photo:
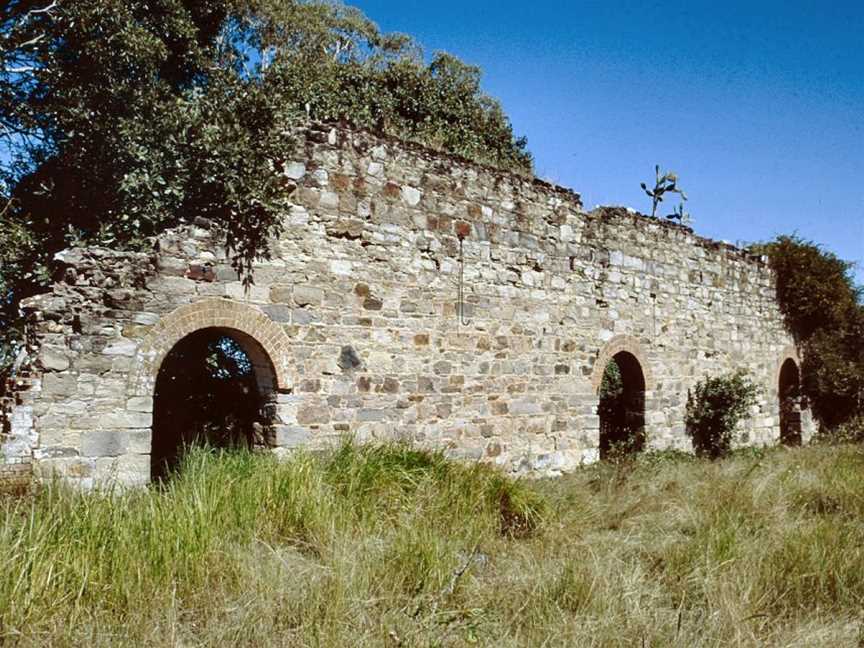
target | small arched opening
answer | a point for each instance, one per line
(214, 387)
(622, 406)
(789, 395)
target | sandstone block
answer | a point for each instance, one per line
(52, 359)
(121, 347)
(59, 385)
(129, 470)
(522, 407)
(281, 293)
(288, 436)
(313, 414)
(368, 415)
(279, 313)
(140, 404)
(104, 443)
(308, 296)
(411, 196)
(127, 419)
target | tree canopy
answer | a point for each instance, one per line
(119, 118)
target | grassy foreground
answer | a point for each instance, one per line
(385, 546)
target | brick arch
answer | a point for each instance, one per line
(265, 339)
(614, 346)
(789, 353)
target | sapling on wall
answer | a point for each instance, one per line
(664, 184)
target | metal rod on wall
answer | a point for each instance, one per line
(462, 230)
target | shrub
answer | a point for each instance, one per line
(715, 406)
(822, 309)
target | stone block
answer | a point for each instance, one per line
(56, 386)
(104, 443)
(524, 407)
(145, 319)
(313, 414)
(329, 200)
(279, 313)
(121, 347)
(126, 470)
(140, 404)
(308, 296)
(74, 468)
(140, 441)
(442, 368)
(281, 293)
(341, 267)
(53, 359)
(288, 436)
(125, 420)
(411, 196)
(173, 285)
(368, 415)
(304, 316)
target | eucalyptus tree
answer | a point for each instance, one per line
(118, 118)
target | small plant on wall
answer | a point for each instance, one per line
(715, 406)
(666, 183)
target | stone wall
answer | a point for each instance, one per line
(358, 318)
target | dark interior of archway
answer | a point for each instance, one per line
(622, 407)
(789, 392)
(206, 394)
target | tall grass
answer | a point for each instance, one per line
(389, 546)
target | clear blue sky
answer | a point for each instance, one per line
(758, 106)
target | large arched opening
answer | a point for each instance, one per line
(789, 395)
(622, 406)
(215, 387)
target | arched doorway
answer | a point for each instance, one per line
(789, 395)
(215, 386)
(622, 406)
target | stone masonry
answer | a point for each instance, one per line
(355, 327)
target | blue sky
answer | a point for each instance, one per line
(758, 106)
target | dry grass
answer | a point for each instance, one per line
(385, 546)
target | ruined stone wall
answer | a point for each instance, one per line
(357, 311)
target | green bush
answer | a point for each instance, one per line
(715, 406)
(822, 308)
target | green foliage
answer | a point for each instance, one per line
(120, 118)
(664, 184)
(612, 384)
(117, 124)
(822, 309)
(334, 64)
(815, 288)
(849, 431)
(714, 408)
